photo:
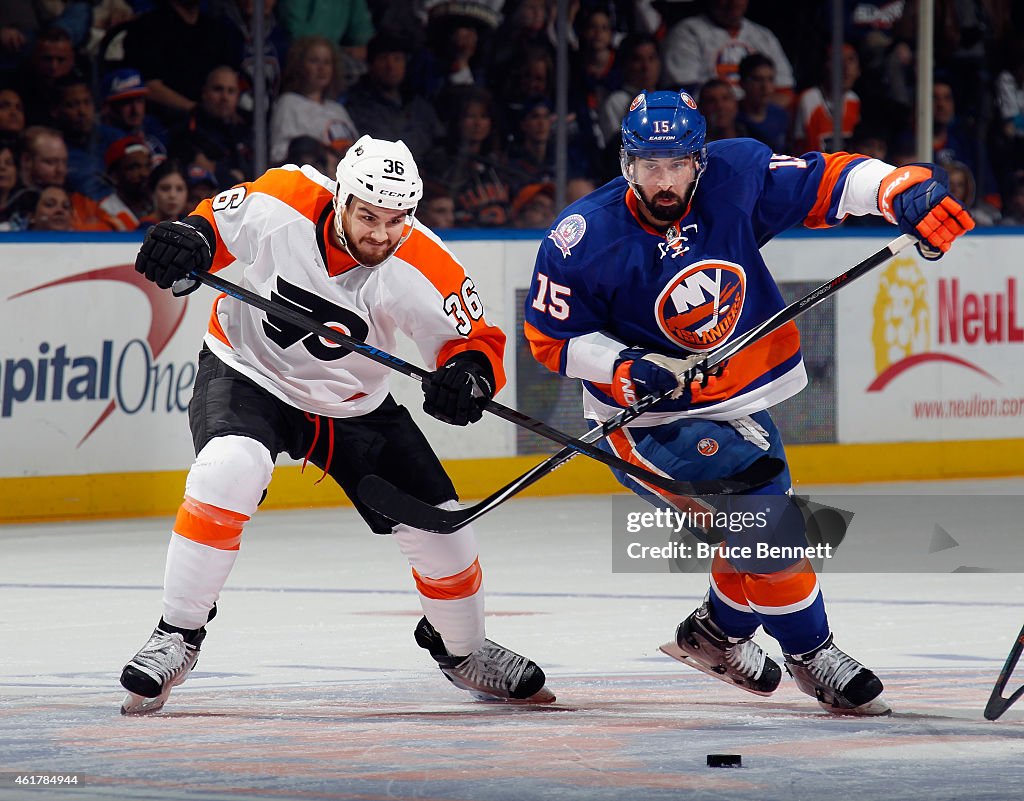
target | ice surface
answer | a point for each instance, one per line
(310, 685)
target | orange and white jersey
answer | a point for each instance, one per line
(278, 228)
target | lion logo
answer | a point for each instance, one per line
(901, 315)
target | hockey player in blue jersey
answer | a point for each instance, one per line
(664, 263)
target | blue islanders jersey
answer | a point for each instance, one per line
(604, 280)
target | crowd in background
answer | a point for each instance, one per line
(116, 114)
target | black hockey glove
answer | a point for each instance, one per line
(457, 392)
(170, 252)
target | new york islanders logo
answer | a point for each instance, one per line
(700, 306)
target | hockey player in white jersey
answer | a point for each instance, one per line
(350, 253)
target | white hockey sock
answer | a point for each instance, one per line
(460, 620)
(193, 578)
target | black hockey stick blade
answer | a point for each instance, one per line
(384, 497)
(997, 702)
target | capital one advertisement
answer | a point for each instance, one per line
(933, 351)
(96, 363)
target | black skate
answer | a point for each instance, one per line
(163, 663)
(841, 684)
(739, 661)
(491, 673)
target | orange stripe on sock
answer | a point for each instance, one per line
(790, 586)
(209, 525)
(728, 582)
(451, 588)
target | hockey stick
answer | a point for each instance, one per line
(997, 702)
(308, 323)
(387, 499)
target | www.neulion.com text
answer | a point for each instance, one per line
(974, 406)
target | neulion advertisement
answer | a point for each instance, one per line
(933, 351)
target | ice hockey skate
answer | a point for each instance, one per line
(841, 684)
(163, 663)
(491, 673)
(700, 643)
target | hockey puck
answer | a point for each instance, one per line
(725, 761)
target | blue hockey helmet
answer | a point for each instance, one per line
(663, 125)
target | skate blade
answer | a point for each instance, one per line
(876, 707)
(672, 649)
(542, 696)
(135, 704)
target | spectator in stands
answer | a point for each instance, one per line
(51, 210)
(711, 45)
(10, 186)
(531, 75)
(870, 142)
(46, 209)
(1013, 201)
(175, 46)
(813, 125)
(534, 206)
(471, 162)
(718, 104)
(312, 77)
(87, 140)
(380, 106)
(641, 69)
(44, 158)
(108, 16)
(437, 208)
(124, 109)
(531, 156)
(592, 64)
(129, 162)
(523, 30)
(307, 150)
(44, 162)
(1007, 134)
(12, 113)
(348, 24)
(217, 131)
(953, 142)
(237, 16)
(962, 187)
(458, 36)
(52, 58)
(19, 22)
(169, 191)
(766, 121)
(201, 184)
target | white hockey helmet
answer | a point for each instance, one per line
(381, 173)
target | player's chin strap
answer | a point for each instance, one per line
(384, 497)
